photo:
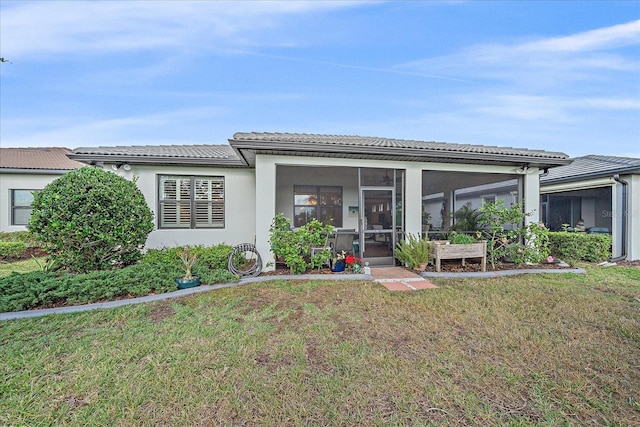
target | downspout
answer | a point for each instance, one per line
(625, 218)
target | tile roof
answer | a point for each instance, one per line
(161, 154)
(591, 166)
(440, 151)
(37, 158)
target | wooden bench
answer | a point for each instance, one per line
(470, 250)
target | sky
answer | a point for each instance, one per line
(556, 76)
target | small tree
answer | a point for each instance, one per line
(90, 219)
(503, 228)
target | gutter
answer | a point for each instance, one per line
(625, 218)
(157, 160)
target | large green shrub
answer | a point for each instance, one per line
(91, 219)
(294, 246)
(570, 247)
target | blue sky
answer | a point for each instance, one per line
(557, 76)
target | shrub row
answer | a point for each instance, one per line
(19, 236)
(211, 257)
(46, 289)
(580, 246)
(12, 249)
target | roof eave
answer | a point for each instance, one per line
(591, 175)
(155, 160)
(327, 149)
(35, 171)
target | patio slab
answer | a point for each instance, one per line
(400, 279)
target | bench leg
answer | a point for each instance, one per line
(437, 264)
(484, 263)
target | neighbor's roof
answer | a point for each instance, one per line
(591, 166)
(37, 159)
(200, 155)
(247, 145)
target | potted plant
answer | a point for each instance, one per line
(189, 280)
(339, 263)
(413, 252)
(354, 263)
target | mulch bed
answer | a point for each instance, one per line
(455, 266)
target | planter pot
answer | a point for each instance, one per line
(338, 266)
(422, 267)
(188, 283)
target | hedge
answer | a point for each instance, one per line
(12, 249)
(569, 246)
(47, 289)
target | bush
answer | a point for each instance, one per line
(90, 219)
(212, 257)
(12, 249)
(412, 252)
(294, 246)
(19, 236)
(502, 227)
(571, 247)
(46, 289)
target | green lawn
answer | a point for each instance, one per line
(33, 264)
(529, 350)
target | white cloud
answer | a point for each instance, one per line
(38, 29)
(168, 127)
(603, 38)
(561, 58)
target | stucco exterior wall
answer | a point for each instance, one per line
(240, 205)
(18, 181)
(633, 233)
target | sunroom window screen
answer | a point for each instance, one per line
(323, 203)
(191, 202)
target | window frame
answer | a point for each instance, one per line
(192, 202)
(318, 206)
(15, 207)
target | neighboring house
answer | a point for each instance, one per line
(24, 171)
(377, 187)
(603, 191)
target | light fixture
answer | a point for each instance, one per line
(525, 170)
(125, 166)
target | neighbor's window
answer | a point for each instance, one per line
(488, 200)
(21, 201)
(323, 203)
(191, 201)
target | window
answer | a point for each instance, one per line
(317, 202)
(488, 200)
(21, 201)
(191, 201)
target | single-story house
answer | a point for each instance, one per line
(602, 191)
(376, 188)
(24, 171)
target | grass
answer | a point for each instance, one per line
(527, 350)
(33, 264)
